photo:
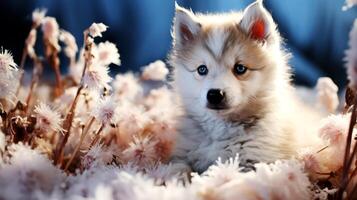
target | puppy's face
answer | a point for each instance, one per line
(223, 63)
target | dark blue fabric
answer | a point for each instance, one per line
(315, 31)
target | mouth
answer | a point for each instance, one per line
(217, 107)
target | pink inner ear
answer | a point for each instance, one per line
(186, 32)
(257, 30)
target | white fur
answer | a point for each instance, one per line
(263, 121)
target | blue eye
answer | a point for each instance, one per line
(239, 69)
(202, 70)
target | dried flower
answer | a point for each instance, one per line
(156, 71)
(7, 88)
(76, 70)
(327, 94)
(70, 42)
(7, 64)
(105, 110)
(334, 129)
(106, 53)
(97, 155)
(310, 160)
(351, 57)
(132, 119)
(96, 29)
(29, 171)
(48, 119)
(96, 77)
(126, 86)
(141, 152)
(30, 43)
(51, 32)
(37, 16)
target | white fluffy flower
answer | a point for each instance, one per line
(279, 180)
(351, 57)
(155, 71)
(105, 110)
(132, 119)
(327, 96)
(70, 42)
(141, 152)
(96, 29)
(333, 132)
(8, 87)
(97, 155)
(76, 70)
(106, 53)
(26, 173)
(220, 173)
(38, 15)
(160, 98)
(51, 32)
(7, 64)
(334, 129)
(97, 77)
(126, 86)
(48, 119)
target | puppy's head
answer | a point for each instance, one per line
(223, 63)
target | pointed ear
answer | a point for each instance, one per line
(257, 22)
(185, 27)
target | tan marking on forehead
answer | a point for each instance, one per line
(233, 38)
(214, 40)
(219, 39)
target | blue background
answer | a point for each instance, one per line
(315, 31)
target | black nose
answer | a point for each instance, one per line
(215, 96)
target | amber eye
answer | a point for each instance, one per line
(202, 70)
(239, 69)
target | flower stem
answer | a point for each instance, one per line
(83, 135)
(52, 57)
(36, 73)
(22, 65)
(346, 162)
(97, 134)
(58, 155)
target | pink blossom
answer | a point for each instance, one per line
(327, 94)
(141, 151)
(7, 64)
(38, 15)
(155, 71)
(126, 86)
(51, 32)
(70, 42)
(106, 53)
(96, 29)
(334, 129)
(48, 119)
(97, 77)
(105, 110)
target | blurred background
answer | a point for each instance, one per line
(315, 31)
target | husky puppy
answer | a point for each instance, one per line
(233, 81)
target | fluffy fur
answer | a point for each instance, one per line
(262, 117)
